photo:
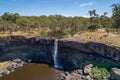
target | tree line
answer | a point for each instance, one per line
(58, 24)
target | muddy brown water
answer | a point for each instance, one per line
(32, 71)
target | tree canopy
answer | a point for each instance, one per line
(58, 24)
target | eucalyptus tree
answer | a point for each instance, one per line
(10, 16)
(94, 20)
(116, 15)
(94, 17)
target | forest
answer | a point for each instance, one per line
(53, 24)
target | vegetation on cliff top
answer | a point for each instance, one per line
(58, 25)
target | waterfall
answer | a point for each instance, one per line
(55, 58)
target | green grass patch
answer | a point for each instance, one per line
(98, 73)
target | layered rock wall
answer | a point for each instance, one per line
(111, 52)
(47, 45)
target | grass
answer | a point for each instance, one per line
(98, 36)
(4, 65)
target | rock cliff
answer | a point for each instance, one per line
(70, 53)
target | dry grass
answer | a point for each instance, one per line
(20, 33)
(4, 65)
(98, 36)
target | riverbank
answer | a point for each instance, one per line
(43, 71)
(9, 66)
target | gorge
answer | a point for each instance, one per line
(69, 54)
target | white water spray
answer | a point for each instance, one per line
(56, 65)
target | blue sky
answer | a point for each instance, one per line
(51, 7)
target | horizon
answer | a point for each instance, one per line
(67, 8)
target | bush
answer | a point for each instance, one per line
(43, 33)
(98, 73)
(93, 27)
(100, 69)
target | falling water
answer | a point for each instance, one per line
(55, 54)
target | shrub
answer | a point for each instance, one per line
(93, 27)
(98, 73)
(43, 33)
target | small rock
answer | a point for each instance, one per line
(0, 75)
(2, 71)
(73, 73)
(104, 78)
(62, 74)
(66, 73)
(60, 78)
(7, 72)
(88, 77)
(68, 77)
(17, 60)
(79, 71)
(29, 60)
(88, 68)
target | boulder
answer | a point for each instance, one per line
(115, 74)
(87, 69)
(79, 71)
(67, 73)
(104, 78)
(17, 60)
(87, 77)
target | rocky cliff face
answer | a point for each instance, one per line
(70, 53)
(38, 50)
(111, 52)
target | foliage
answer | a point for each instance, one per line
(43, 33)
(93, 27)
(116, 15)
(100, 69)
(59, 25)
(98, 73)
(99, 21)
(10, 16)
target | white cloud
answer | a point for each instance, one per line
(86, 4)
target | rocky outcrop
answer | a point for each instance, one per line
(76, 75)
(115, 74)
(88, 68)
(13, 65)
(42, 51)
(111, 52)
(16, 42)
